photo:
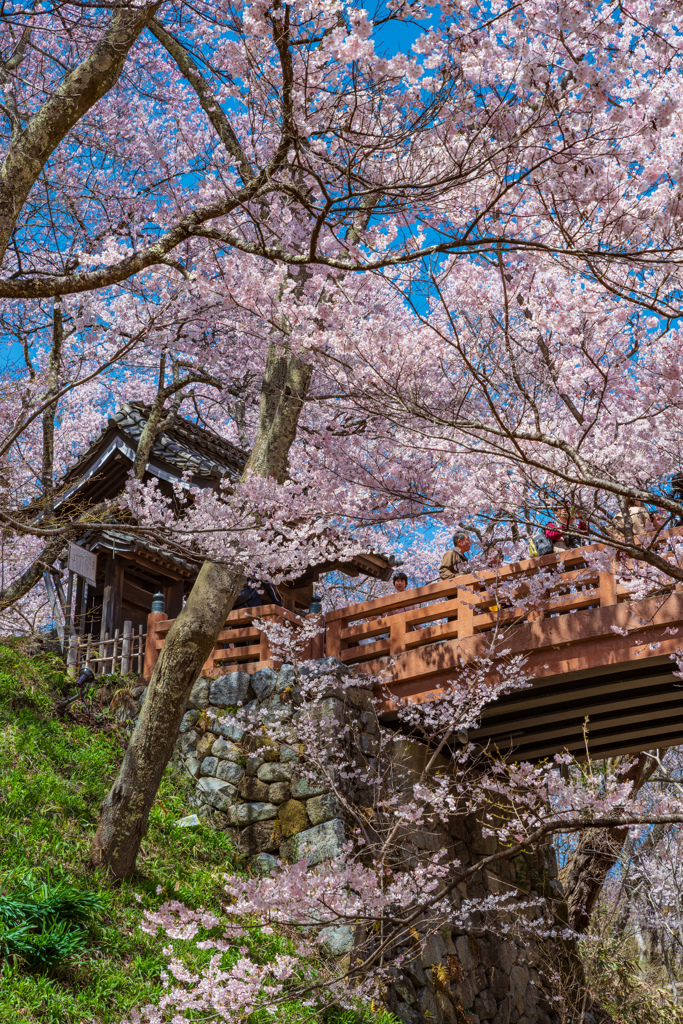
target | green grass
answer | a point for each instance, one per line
(53, 777)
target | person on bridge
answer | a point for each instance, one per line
(560, 534)
(454, 562)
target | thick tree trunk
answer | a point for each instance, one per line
(125, 811)
(597, 852)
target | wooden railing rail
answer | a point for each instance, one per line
(454, 609)
(239, 645)
(467, 605)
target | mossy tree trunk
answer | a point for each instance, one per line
(125, 811)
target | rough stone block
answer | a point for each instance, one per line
(216, 792)
(416, 973)
(499, 984)
(323, 808)
(519, 979)
(204, 745)
(199, 694)
(209, 766)
(289, 755)
(261, 837)
(263, 863)
(433, 950)
(507, 954)
(427, 1005)
(226, 750)
(405, 990)
(369, 722)
(293, 818)
(229, 731)
(265, 748)
(446, 1009)
(275, 772)
(326, 666)
(322, 842)
(263, 682)
(254, 791)
(253, 764)
(189, 719)
(408, 1014)
(485, 1005)
(286, 679)
(339, 939)
(188, 742)
(230, 690)
(193, 766)
(278, 792)
(303, 788)
(230, 772)
(505, 1012)
(464, 953)
(369, 744)
(245, 814)
(276, 711)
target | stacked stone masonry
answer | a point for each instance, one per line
(278, 811)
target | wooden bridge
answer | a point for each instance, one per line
(591, 652)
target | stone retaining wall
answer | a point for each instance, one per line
(264, 791)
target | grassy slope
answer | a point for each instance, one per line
(53, 776)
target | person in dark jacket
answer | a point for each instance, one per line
(250, 597)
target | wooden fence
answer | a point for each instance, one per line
(117, 655)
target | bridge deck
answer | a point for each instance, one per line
(591, 652)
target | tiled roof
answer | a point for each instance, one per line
(185, 446)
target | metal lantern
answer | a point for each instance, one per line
(158, 602)
(315, 607)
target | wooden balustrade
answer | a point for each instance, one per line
(239, 645)
(365, 635)
(465, 606)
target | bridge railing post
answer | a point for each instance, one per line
(151, 649)
(608, 589)
(465, 600)
(397, 635)
(333, 644)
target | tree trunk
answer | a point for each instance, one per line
(125, 811)
(597, 852)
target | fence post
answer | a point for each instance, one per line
(151, 652)
(140, 649)
(125, 648)
(72, 657)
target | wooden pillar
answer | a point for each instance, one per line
(112, 596)
(151, 652)
(173, 598)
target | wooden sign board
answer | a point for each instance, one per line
(83, 563)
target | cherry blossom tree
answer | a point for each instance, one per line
(252, 160)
